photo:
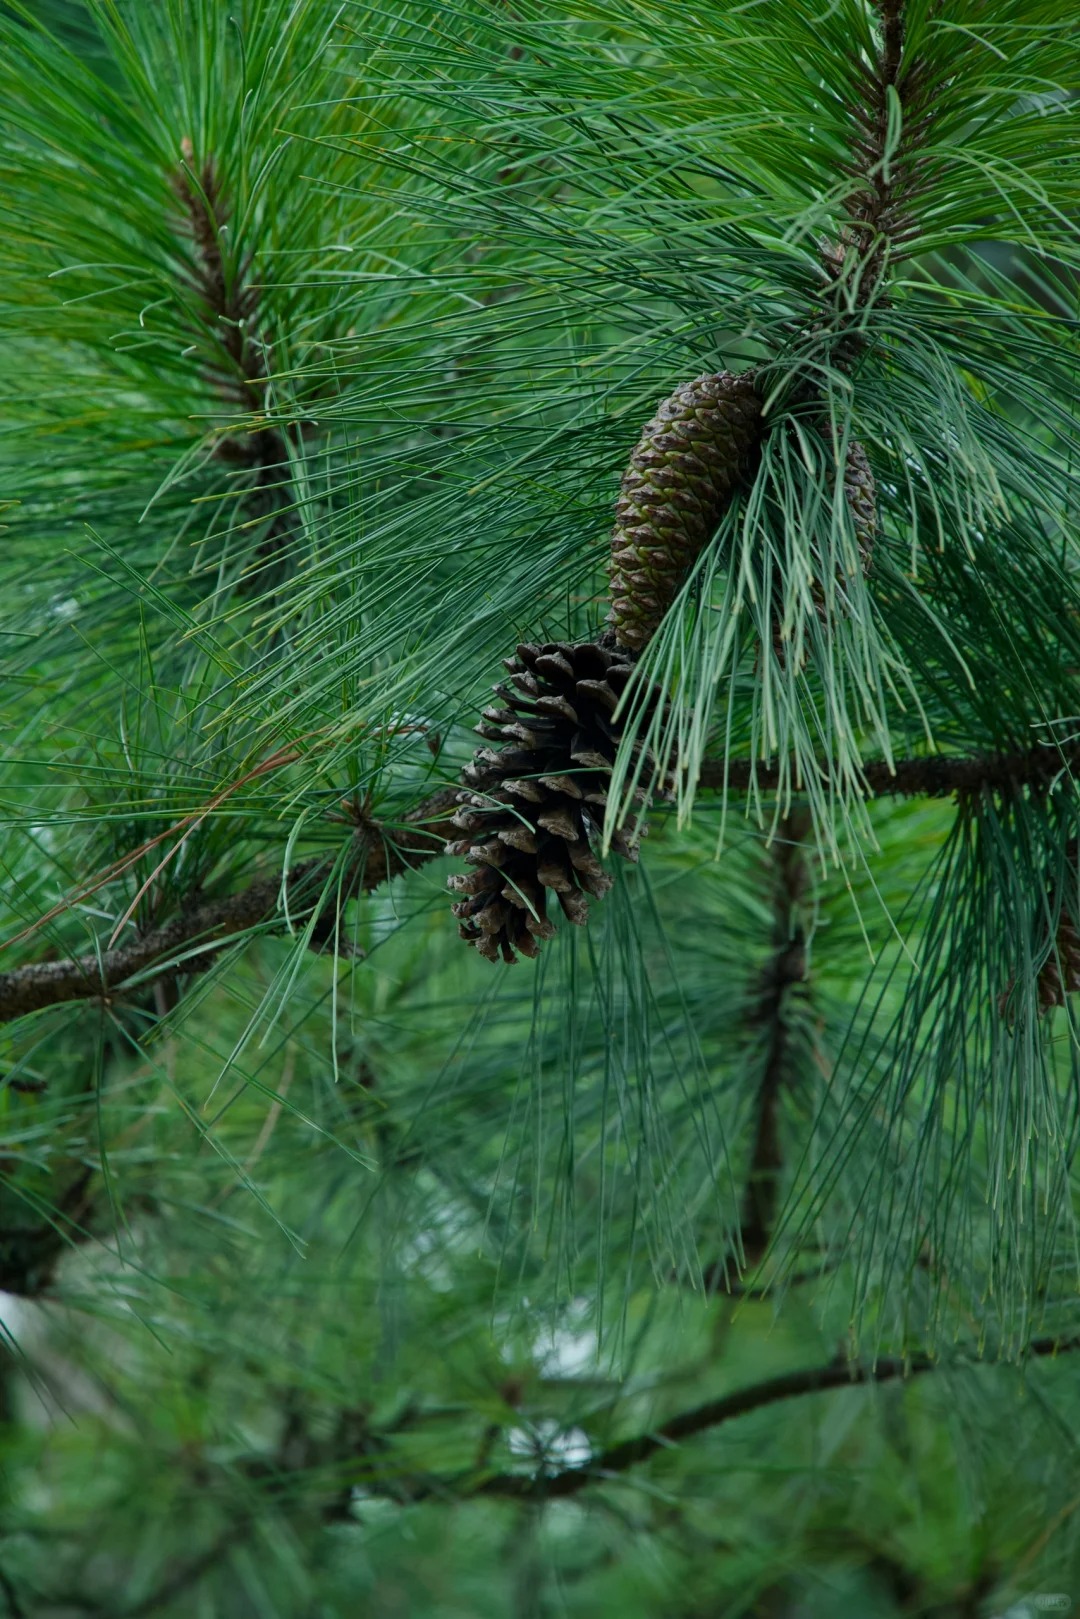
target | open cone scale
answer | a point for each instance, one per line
(532, 811)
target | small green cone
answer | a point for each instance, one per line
(861, 493)
(697, 449)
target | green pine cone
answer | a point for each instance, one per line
(698, 447)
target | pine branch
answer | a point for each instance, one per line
(769, 1016)
(421, 837)
(278, 1475)
(785, 970)
(931, 777)
(700, 1419)
(380, 853)
(230, 312)
(617, 1459)
(229, 303)
(878, 204)
(873, 208)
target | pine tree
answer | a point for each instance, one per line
(705, 382)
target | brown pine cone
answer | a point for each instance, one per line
(700, 445)
(532, 815)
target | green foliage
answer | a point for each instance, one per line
(337, 1265)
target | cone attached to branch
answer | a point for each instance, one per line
(860, 494)
(860, 491)
(1059, 975)
(530, 818)
(533, 811)
(699, 447)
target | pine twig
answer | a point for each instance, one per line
(229, 303)
(421, 837)
(935, 776)
(769, 1015)
(622, 1457)
(879, 223)
(230, 312)
(786, 969)
(380, 853)
(628, 1453)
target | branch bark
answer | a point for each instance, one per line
(700, 1419)
(620, 1458)
(228, 313)
(785, 971)
(770, 1017)
(880, 222)
(932, 777)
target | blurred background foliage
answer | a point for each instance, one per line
(724, 1262)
